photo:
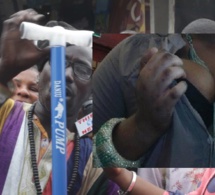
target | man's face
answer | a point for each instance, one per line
(78, 82)
(26, 86)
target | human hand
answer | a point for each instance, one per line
(112, 172)
(18, 54)
(158, 91)
(125, 180)
(121, 176)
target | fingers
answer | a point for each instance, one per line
(157, 78)
(162, 68)
(170, 75)
(165, 104)
(174, 94)
(28, 15)
(170, 91)
(161, 60)
(147, 56)
(29, 11)
(16, 19)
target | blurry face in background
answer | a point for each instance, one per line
(26, 86)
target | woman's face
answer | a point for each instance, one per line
(78, 79)
(26, 86)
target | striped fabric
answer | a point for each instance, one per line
(15, 163)
(8, 139)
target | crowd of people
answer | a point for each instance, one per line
(152, 107)
(26, 128)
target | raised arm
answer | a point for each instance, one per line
(125, 178)
(157, 92)
(18, 54)
(138, 186)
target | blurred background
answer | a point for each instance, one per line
(114, 16)
(114, 20)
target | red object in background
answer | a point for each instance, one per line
(127, 15)
(104, 44)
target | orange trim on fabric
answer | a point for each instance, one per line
(70, 146)
(4, 111)
(44, 135)
(48, 187)
(40, 126)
